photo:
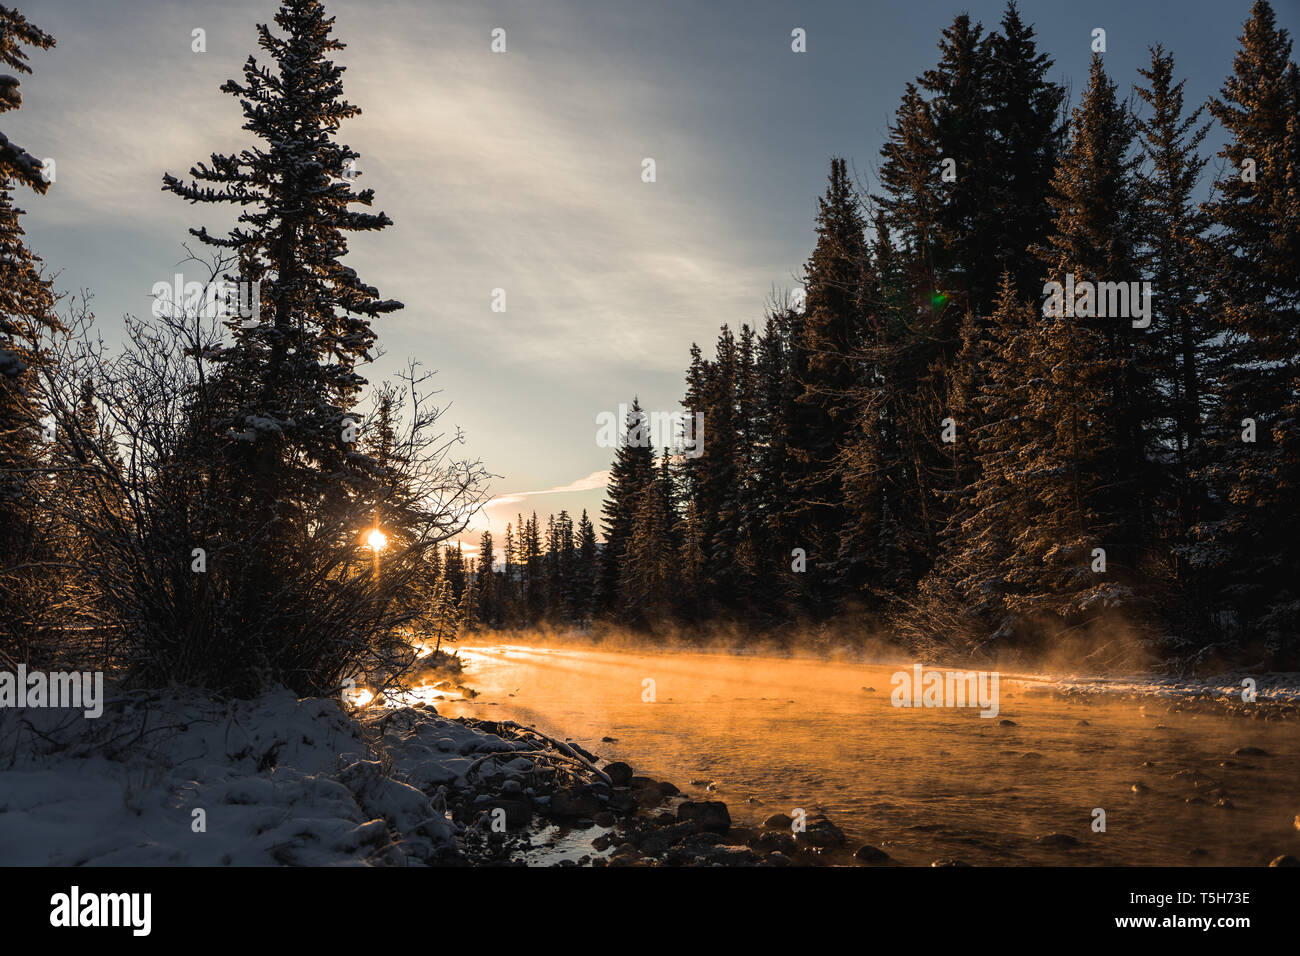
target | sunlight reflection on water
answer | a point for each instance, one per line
(772, 734)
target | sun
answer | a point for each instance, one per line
(377, 540)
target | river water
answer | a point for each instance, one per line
(770, 735)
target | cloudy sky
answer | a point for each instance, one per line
(522, 171)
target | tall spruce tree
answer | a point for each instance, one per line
(1092, 481)
(649, 579)
(583, 582)
(889, 536)
(1026, 134)
(830, 336)
(534, 573)
(960, 90)
(964, 176)
(983, 570)
(775, 396)
(291, 378)
(276, 453)
(630, 475)
(485, 583)
(510, 577)
(1254, 247)
(1185, 333)
(26, 318)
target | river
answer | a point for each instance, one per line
(770, 735)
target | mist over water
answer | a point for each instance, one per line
(773, 734)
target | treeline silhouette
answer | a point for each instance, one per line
(916, 446)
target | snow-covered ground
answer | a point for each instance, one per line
(184, 780)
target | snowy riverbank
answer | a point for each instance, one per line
(173, 779)
(179, 780)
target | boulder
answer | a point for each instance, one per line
(620, 774)
(575, 802)
(821, 833)
(775, 841)
(709, 816)
(871, 854)
(1057, 840)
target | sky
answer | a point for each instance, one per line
(522, 171)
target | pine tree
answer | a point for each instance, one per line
(565, 567)
(756, 568)
(982, 565)
(551, 569)
(912, 191)
(1254, 248)
(716, 476)
(26, 318)
(454, 572)
(631, 473)
(273, 442)
(509, 577)
(585, 564)
(960, 90)
(531, 561)
(649, 581)
(831, 333)
(1186, 333)
(1092, 481)
(289, 381)
(489, 610)
(889, 536)
(964, 177)
(775, 395)
(1026, 134)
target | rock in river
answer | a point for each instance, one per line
(575, 802)
(1250, 752)
(705, 815)
(1057, 840)
(821, 833)
(620, 774)
(870, 854)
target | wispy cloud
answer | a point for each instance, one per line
(594, 481)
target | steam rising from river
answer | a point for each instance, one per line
(1107, 645)
(770, 734)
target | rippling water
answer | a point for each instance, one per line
(775, 734)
